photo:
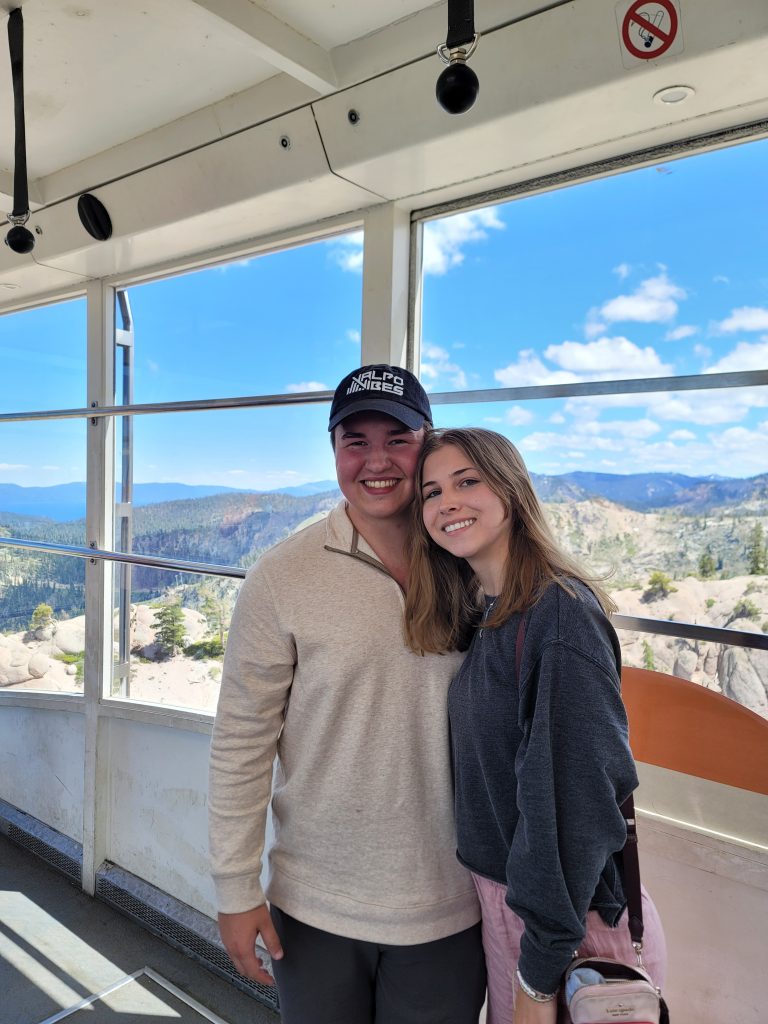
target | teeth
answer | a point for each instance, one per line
(458, 526)
(379, 483)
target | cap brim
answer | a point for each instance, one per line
(410, 417)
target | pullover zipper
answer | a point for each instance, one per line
(361, 556)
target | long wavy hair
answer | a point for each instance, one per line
(444, 599)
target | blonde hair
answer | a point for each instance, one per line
(443, 602)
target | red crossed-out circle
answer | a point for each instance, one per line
(666, 38)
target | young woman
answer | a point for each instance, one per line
(539, 736)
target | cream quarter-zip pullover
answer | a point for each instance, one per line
(317, 672)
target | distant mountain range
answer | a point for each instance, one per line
(640, 491)
(651, 491)
(66, 502)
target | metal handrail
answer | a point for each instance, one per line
(635, 385)
(151, 561)
(692, 631)
(665, 627)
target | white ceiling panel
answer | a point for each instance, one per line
(99, 73)
(341, 21)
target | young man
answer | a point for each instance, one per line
(372, 917)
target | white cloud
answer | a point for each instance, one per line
(458, 344)
(237, 472)
(627, 444)
(353, 336)
(742, 446)
(436, 364)
(445, 240)
(594, 326)
(603, 359)
(541, 442)
(622, 271)
(608, 357)
(307, 385)
(721, 279)
(653, 301)
(518, 416)
(557, 417)
(746, 318)
(492, 419)
(639, 429)
(743, 357)
(528, 370)
(347, 251)
(12, 465)
(702, 351)
(683, 331)
(700, 408)
(234, 264)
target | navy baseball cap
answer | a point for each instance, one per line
(381, 388)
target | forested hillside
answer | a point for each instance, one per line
(225, 529)
(715, 530)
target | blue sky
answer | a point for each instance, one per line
(655, 272)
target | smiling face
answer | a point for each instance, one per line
(376, 458)
(463, 515)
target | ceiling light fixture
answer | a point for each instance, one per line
(673, 94)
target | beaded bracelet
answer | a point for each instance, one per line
(537, 997)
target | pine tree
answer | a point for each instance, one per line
(213, 609)
(659, 585)
(648, 656)
(42, 616)
(707, 566)
(170, 634)
(756, 551)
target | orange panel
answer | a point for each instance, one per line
(680, 725)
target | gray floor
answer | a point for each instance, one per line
(59, 946)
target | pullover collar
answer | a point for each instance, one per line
(342, 537)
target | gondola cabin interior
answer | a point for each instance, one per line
(220, 208)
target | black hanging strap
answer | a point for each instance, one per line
(461, 23)
(631, 865)
(16, 47)
(629, 858)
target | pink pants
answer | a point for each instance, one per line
(503, 929)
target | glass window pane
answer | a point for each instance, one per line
(44, 357)
(170, 636)
(273, 324)
(654, 272)
(666, 493)
(42, 621)
(222, 486)
(42, 480)
(739, 673)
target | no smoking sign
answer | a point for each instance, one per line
(648, 29)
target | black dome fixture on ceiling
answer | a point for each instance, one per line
(458, 86)
(19, 238)
(94, 217)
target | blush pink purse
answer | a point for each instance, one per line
(621, 993)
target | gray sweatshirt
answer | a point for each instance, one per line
(541, 769)
(317, 673)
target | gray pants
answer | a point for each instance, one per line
(329, 979)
